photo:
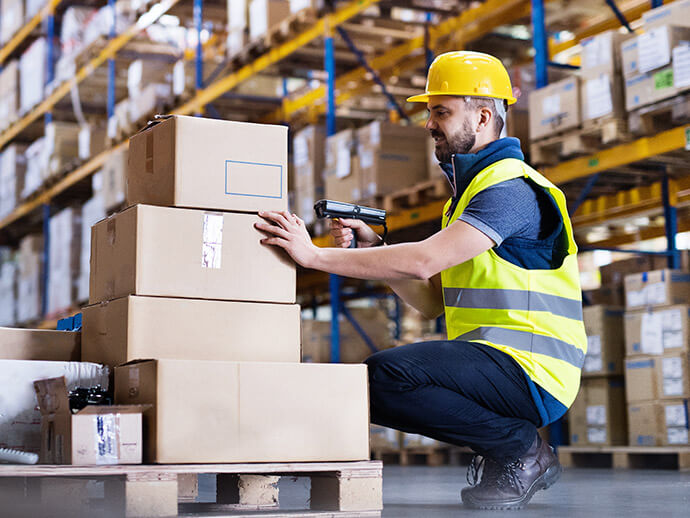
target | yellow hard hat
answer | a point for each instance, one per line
(467, 73)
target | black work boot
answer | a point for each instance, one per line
(511, 485)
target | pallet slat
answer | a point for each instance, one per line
(625, 457)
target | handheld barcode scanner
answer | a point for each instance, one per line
(338, 209)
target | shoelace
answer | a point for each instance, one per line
(473, 470)
(493, 473)
(507, 476)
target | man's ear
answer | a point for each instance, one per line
(485, 119)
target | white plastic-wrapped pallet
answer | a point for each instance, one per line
(30, 268)
(12, 169)
(8, 287)
(33, 178)
(32, 75)
(64, 257)
(91, 213)
(11, 18)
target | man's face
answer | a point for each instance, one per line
(450, 123)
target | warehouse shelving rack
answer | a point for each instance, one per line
(413, 54)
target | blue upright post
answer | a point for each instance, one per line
(334, 281)
(46, 257)
(50, 72)
(671, 224)
(198, 22)
(657, 3)
(111, 66)
(540, 43)
(397, 316)
(428, 53)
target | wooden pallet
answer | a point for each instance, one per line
(338, 489)
(279, 33)
(414, 196)
(625, 457)
(652, 119)
(439, 455)
(594, 135)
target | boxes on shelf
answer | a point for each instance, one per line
(391, 157)
(109, 182)
(39, 344)
(555, 108)
(32, 8)
(265, 14)
(94, 435)
(237, 39)
(342, 175)
(383, 438)
(659, 423)
(657, 288)
(9, 94)
(237, 14)
(673, 422)
(91, 213)
(195, 162)
(611, 295)
(248, 411)
(643, 424)
(605, 343)
(29, 278)
(649, 88)
(92, 140)
(675, 13)
(11, 18)
(672, 376)
(614, 273)
(12, 172)
(142, 73)
(652, 49)
(8, 290)
(171, 252)
(641, 379)
(132, 328)
(414, 440)
(20, 420)
(298, 5)
(32, 75)
(33, 177)
(657, 331)
(61, 149)
(598, 414)
(308, 158)
(151, 100)
(64, 259)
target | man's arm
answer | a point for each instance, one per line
(451, 246)
(423, 295)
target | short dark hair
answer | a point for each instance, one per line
(490, 103)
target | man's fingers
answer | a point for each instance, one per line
(272, 229)
(275, 241)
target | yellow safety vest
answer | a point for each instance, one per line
(535, 316)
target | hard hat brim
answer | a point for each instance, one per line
(424, 98)
(421, 98)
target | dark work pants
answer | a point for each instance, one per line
(462, 393)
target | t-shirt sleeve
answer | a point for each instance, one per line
(506, 209)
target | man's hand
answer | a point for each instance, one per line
(289, 233)
(342, 231)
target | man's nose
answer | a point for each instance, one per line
(430, 123)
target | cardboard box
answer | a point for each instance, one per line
(11, 18)
(92, 141)
(614, 273)
(598, 416)
(612, 295)
(602, 94)
(342, 175)
(64, 259)
(656, 331)
(9, 94)
(32, 75)
(12, 172)
(208, 163)
(605, 343)
(169, 252)
(92, 212)
(29, 278)
(61, 149)
(643, 424)
(675, 13)
(110, 181)
(641, 379)
(655, 46)
(39, 344)
(308, 158)
(555, 108)
(265, 14)
(649, 88)
(603, 50)
(135, 328)
(629, 58)
(672, 376)
(248, 412)
(391, 157)
(20, 420)
(673, 422)
(94, 435)
(657, 288)
(33, 177)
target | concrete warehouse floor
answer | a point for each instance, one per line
(422, 492)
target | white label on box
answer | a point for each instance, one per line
(673, 339)
(677, 435)
(673, 386)
(212, 246)
(672, 320)
(651, 335)
(635, 299)
(598, 92)
(681, 66)
(342, 167)
(596, 415)
(596, 435)
(672, 367)
(551, 105)
(594, 345)
(596, 51)
(300, 151)
(375, 133)
(84, 142)
(106, 438)
(366, 158)
(656, 293)
(112, 127)
(653, 49)
(179, 79)
(593, 363)
(675, 415)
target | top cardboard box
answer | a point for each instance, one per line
(657, 288)
(554, 108)
(209, 164)
(39, 344)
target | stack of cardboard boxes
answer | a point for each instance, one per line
(308, 165)
(199, 319)
(656, 363)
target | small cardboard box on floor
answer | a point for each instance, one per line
(207, 163)
(248, 411)
(96, 434)
(171, 252)
(132, 328)
(657, 331)
(657, 288)
(605, 344)
(598, 414)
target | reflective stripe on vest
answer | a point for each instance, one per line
(512, 299)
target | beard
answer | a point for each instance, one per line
(458, 144)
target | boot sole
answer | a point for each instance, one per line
(545, 481)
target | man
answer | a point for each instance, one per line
(504, 270)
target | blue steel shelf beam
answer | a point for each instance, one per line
(360, 331)
(564, 66)
(621, 18)
(583, 195)
(374, 75)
